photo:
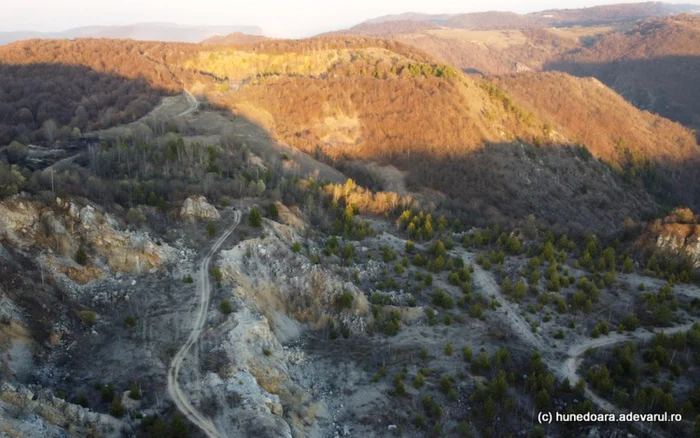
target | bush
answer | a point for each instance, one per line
(107, 393)
(88, 317)
(467, 354)
(116, 409)
(187, 279)
(440, 298)
(272, 211)
(345, 300)
(81, 256)
(255, 218)
(216, 273)
(129, 321)
(225, 307)
(448, 349)
(296, 248)
(82, 400)
(134, 392)
(211, 229)
(135, 217)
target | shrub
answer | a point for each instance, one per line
(116, 409)
(135, 217)
(82, 400)
(134, 392)
(419, 380)
(254, 217)
(81, 256)
(88, 317)
(467, 354)
(216, 273)
(345, 300)
(187, 279)
(448, 349)
(225, 307)
(272, 211)
(129, 321)
(211, 229)
(440, 298)
(296, 247)
(410, 246)
(107, 393)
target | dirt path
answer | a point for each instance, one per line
(570, 367)
(194, 104)
(204, 290)
(508, 311)
(510, 315)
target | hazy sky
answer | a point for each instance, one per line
(280, 18)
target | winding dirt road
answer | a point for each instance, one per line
(573, 362)
(204, 289)
(563, 367)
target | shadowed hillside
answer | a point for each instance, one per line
(654, 65)
(343, 99)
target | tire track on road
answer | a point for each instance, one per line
(204, 288)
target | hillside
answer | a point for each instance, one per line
(591, 16)
(234, 38)
(612, 129)
(343, 99)
(655, 65)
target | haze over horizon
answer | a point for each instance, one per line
(277, 18)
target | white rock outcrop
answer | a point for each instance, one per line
(196, 208)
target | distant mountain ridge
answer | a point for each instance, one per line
(596, 15)
(140, 31)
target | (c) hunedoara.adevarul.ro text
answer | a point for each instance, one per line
(548, 417)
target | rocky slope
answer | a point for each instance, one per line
(78, 239)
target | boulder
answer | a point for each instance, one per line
(196, 208)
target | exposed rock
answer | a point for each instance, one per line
(678, 235)
(36, 412)
(196, 208)
(60, 231)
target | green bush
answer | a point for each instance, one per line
(187, 279)
(88, 317)
(211, 229)
(345, 300)
(254, 217)
(216, 273)
(296, 247)
(129, 321)
(225, 307)
(107, 393)
(272, 211)
(81, 256)
(116, 409)
(134, 392)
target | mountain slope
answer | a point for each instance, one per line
(360, 99)
(654, 65)
(592, 16)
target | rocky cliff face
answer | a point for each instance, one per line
(196, 208)
(35, 412)
(278, 295)
(679, 240)
(677, 235)
(65, 228)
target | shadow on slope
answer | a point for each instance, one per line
(667, 85)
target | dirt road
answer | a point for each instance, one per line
(194, 104)
(508, 311)
(204, 290)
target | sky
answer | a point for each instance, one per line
(277, 18)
